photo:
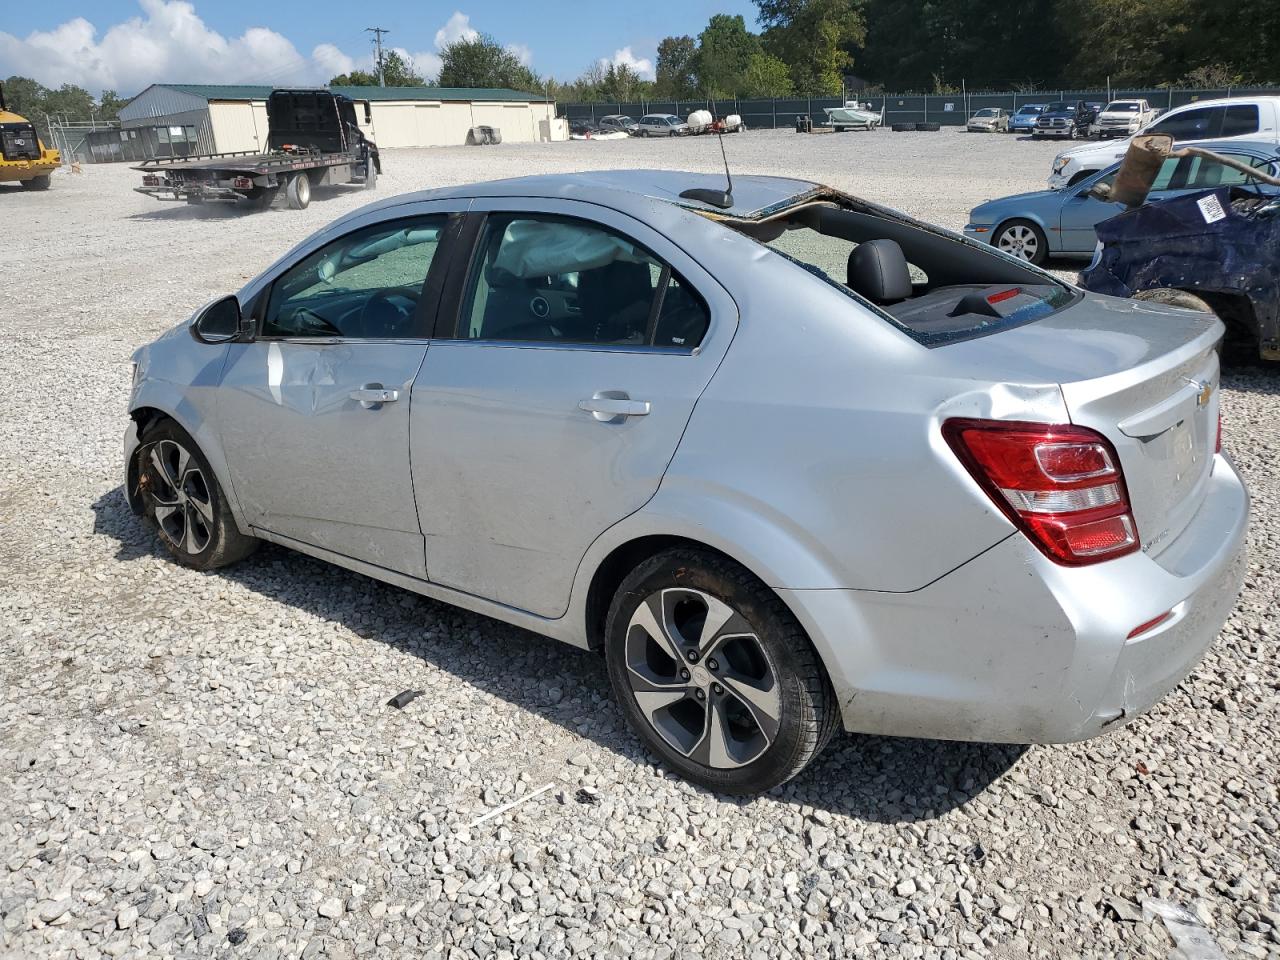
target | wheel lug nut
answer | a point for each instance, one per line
(713, 664)
(684, 674)
(701, 695)
(717, 688)
(692, 655)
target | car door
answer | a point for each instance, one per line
(551, 409)
(314, 411)
(1081, 212)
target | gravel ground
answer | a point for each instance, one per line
(204, 765)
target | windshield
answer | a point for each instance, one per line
(1058, 107)
(1122, 108)
(1027, 111)
(988, 112)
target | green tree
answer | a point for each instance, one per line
(483, 62)
(725, 49)
(25, 96)
(766, 76)
(622, 84)
(677, 77)
(397, 70)
(109, 105)
(814, 38)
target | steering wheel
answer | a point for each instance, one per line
(389, 313)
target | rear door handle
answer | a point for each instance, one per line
(373, 395)
(614, 409)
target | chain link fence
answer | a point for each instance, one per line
(951, 109)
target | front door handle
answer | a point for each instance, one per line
(614, 406)
(373, 395)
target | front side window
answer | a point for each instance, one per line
(365, 285)
(557, 280)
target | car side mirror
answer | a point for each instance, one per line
(219, 322)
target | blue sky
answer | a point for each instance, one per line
(126, 44)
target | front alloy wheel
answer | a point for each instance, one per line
(180, 498)
(174, 486)
(715, 674)
(1023, 240)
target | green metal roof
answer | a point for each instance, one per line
(252, 91)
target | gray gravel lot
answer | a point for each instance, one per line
(203, 765)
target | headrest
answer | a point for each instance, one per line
(878, 271)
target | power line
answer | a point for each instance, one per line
(377, 42)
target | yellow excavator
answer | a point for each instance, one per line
(23, 158)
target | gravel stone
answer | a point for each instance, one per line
(177, 745)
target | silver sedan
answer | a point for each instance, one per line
(795, 462)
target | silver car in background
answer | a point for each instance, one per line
(989, 120)
(1060, 223)
(795, 462)
(660, 125)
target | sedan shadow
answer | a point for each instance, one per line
(879, 779)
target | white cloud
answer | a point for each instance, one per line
(457, 27)
(521, 52)
(625, 58)
(170, 43)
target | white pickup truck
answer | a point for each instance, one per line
(1243, 118)
(1123, 118)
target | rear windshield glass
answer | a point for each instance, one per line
(952, 291)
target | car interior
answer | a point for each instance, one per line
(935, 288)
(560, 281)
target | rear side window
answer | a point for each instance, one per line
(561, 280)
(1240, 120)
(1202, 124)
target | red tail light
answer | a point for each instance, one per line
(1061, 485)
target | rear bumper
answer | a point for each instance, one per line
(1013, 648)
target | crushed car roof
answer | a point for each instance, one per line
(754, 197)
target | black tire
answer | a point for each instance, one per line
(773, 642)
(299, 191)
(928, 127)
(903, 127)
(205, 536)
(1072, 133)
(1032, 245)
(42, 182)
(261, 198)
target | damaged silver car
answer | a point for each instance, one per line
(793, 461)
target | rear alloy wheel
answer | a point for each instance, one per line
(299, 191)
(181, 496)
(1022, 239)
(42, 182)
(714, 673)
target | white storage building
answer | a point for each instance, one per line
(208, 118)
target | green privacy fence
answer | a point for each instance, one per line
(948, 109)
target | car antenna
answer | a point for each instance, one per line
(723, 199)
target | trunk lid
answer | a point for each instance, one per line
(1144, 376)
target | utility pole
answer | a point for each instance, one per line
(377, 42)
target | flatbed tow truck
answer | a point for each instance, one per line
(313, 140)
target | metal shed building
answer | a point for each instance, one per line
(208, 118)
